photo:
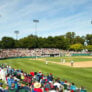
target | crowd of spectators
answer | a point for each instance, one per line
(5, 53)
(19, 81)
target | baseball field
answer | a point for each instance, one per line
(80, 73)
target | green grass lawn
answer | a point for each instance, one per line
(80, 76)
(68, 59)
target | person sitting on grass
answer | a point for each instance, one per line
(37, 87)
(12, 88)
(73, 87)
(23, 88)
(54, 89)
(82, 89)
(58, 85)
(10, 80)
(47, 86)
(1, 89)
(50, 77)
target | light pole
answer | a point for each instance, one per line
(16, 32)
(35, 21)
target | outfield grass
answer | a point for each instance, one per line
(80, 76)
(68, 59)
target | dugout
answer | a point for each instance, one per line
(50, 55)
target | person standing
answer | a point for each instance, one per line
(72, 63)
(46, 62)
(64, 61)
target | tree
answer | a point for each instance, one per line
(61, 42)
(17, 44)
(0, 44)
(50, 42)
(42, 42)
(76, 47)
(89, 47)
(65, 42)
(7, 42)
(89, 38)
(28, 42)
(78, 39)
(70, 36)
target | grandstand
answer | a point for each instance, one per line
(42, 52)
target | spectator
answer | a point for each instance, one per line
(45, 84)
(73, 87)
(12, 88)
(37, 88)
(23, 88)
(1, 89)
(57, 85)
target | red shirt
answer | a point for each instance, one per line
(32, 73)
(38, 89)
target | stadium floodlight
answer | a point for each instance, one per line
(36, 21)
(16, 32)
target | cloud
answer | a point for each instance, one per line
(56, 17)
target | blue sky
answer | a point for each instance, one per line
(56, 17)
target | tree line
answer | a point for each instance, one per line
(69, 41)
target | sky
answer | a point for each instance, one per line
(56, 17)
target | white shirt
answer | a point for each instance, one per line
(1, 88)
(52, 91)
(57, 84)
